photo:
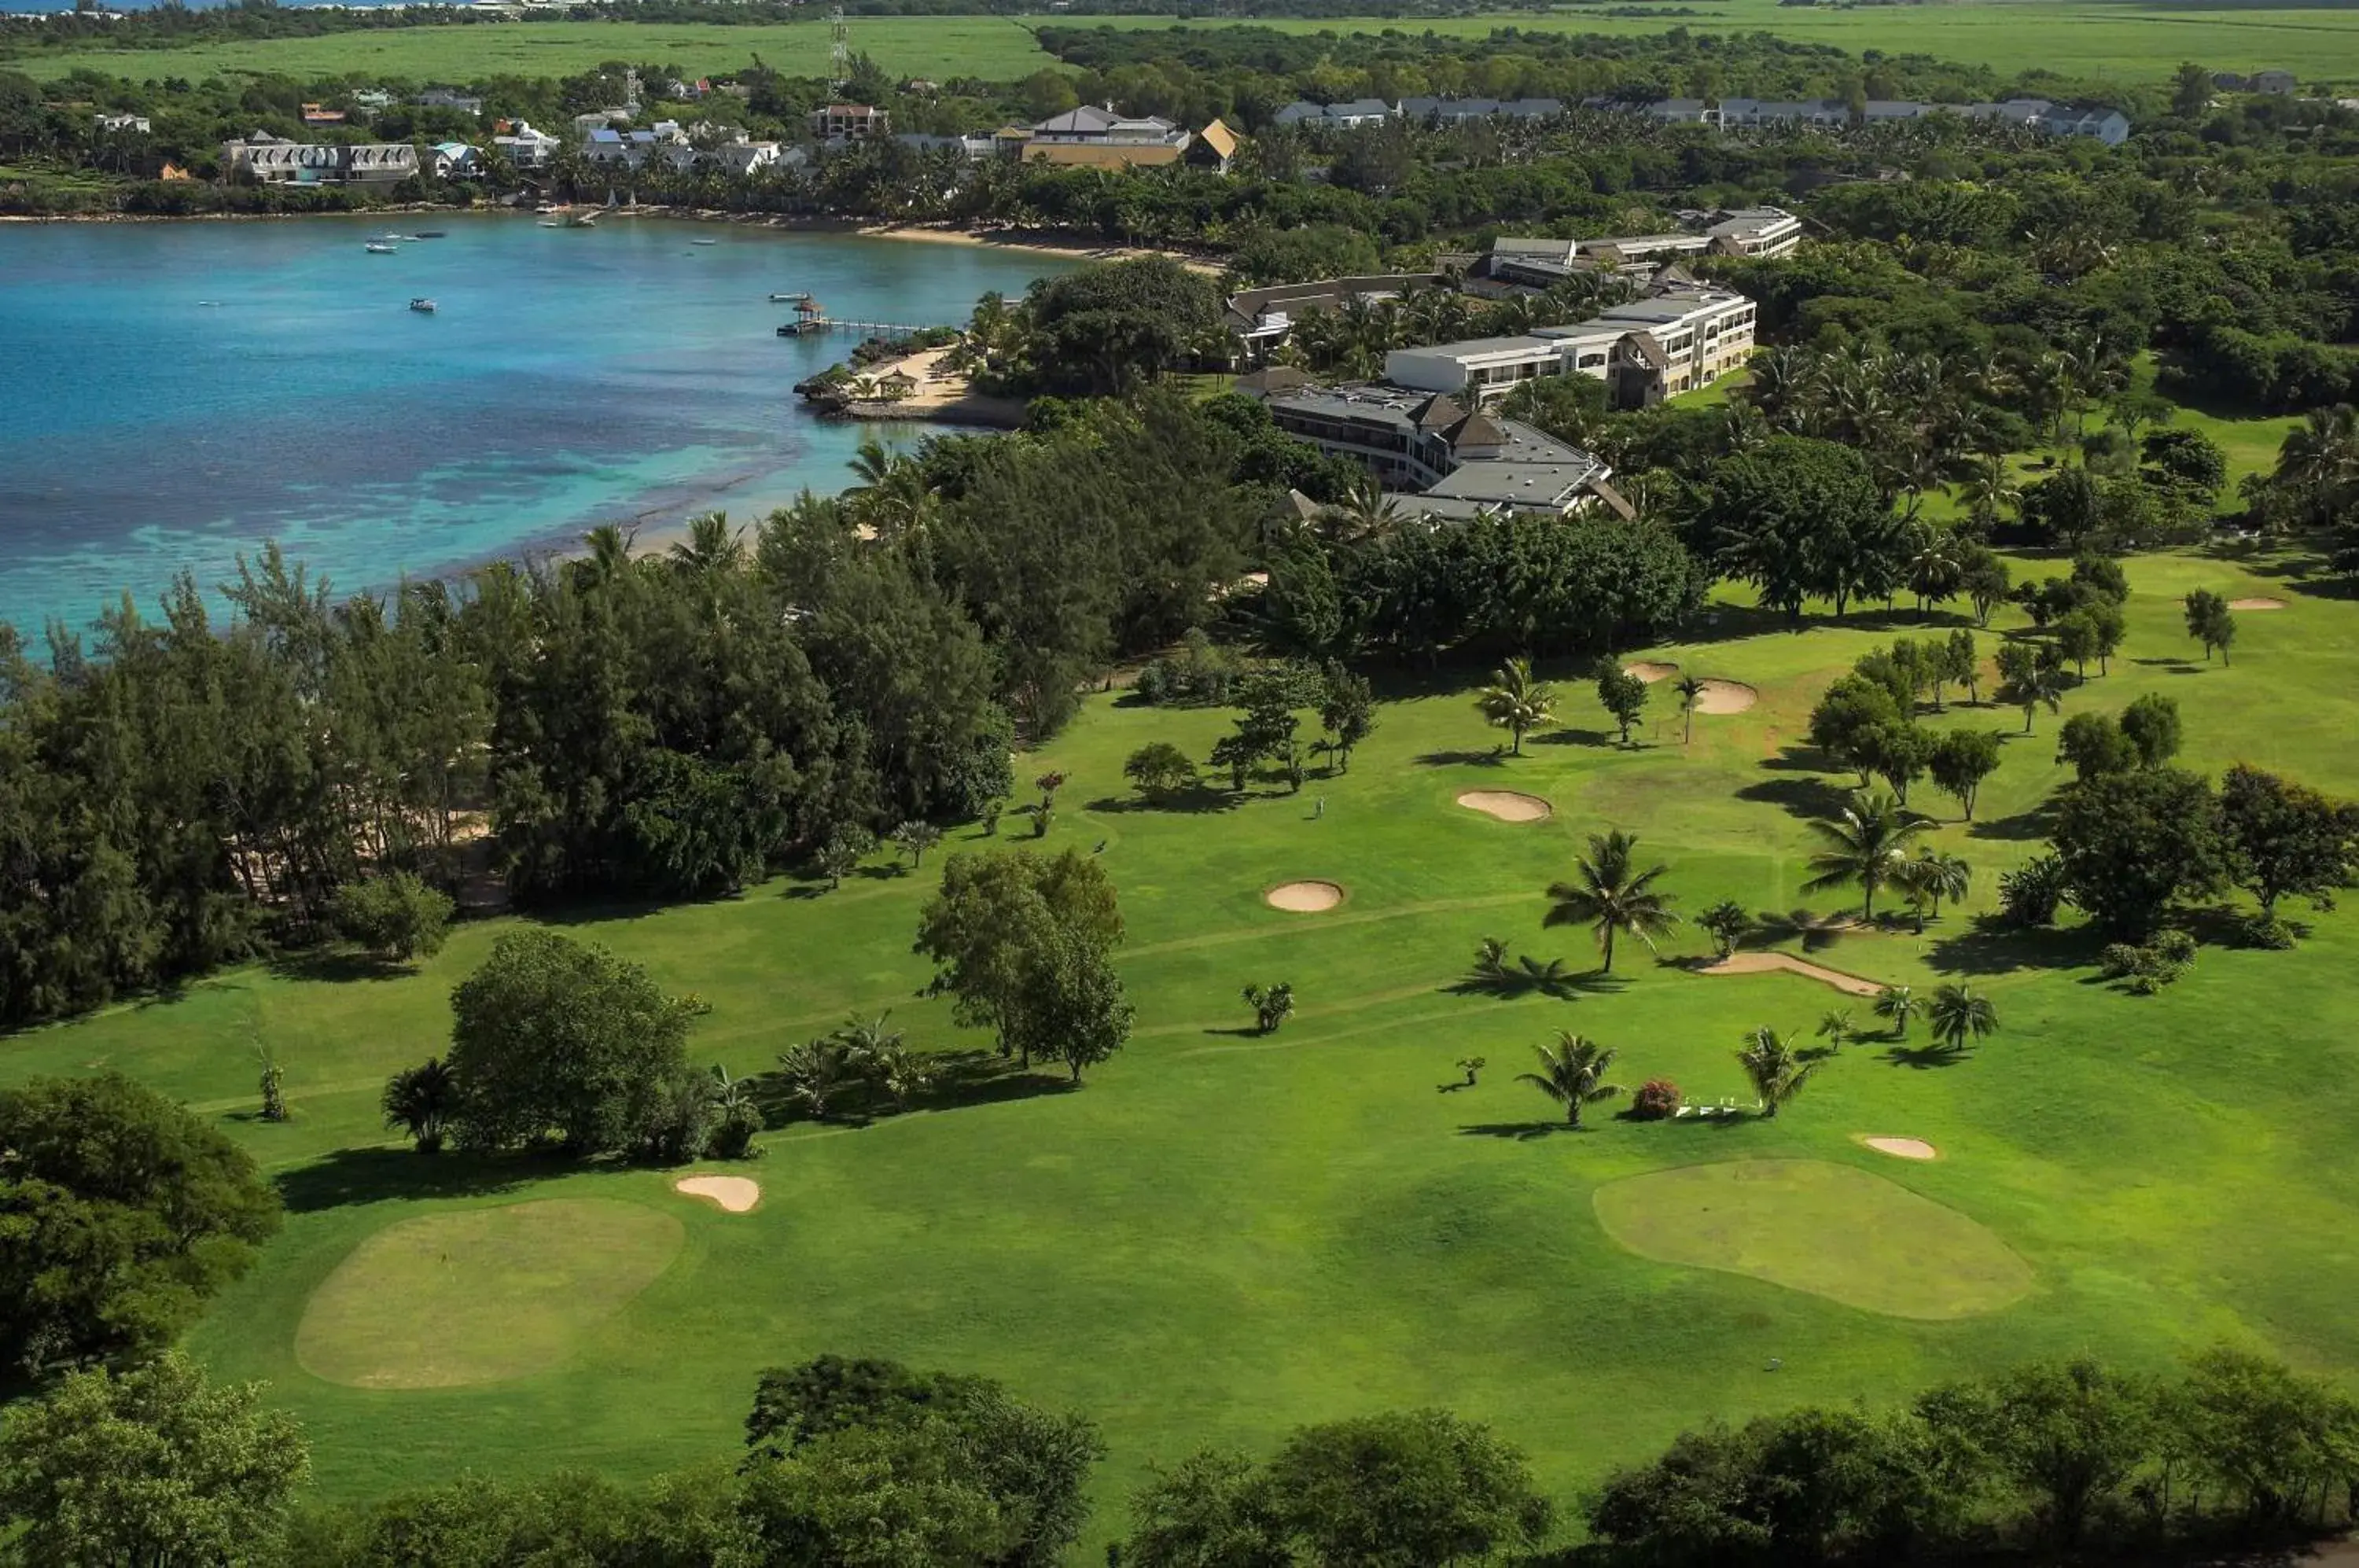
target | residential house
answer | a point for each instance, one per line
(1300, 112)
(121, 125)
(444, 98)
(320, 115)
(1091, 138)
(524, 146)
(849, 122)
(742, 157)
(1892, 110)
(453, 160)
(1450, 111)
(2274, 82)
(1815, 114)
(373, 99)
(1261, 318)
(1214, 147)
(1462, 464)
(599, 120)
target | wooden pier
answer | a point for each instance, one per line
(811, 317)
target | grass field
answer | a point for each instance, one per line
(1221, 1236)
(2128, 42)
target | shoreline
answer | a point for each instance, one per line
(1069, 244)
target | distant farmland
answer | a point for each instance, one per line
(2127, 43)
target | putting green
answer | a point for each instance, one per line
(481, 1295)
(1811, 1225)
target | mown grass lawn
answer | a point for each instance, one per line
(1221, 1235)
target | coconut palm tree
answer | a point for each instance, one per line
(1691, 691)
(1960, 1017)
(1515, 703)
(1726, 922)
(1610, 896)
(1572, 1074)
(1897, 1005)
(1777, 1071)
(1933, 876)
(1836, 1029)
(711, 546)
(865, 1041)
(419, 1101)
(1863, 845)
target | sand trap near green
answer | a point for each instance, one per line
(1811, 1225)
(481, 1295)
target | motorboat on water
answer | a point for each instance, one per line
(704, 242)
(423, 306)
(379, 247)
(428, 234)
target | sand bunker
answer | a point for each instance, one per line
(1304, 898)
(1507, 805)
(1725, 697)
(1651, 671)
(1903, 1148)
(2256, 603)
(735, 1194)
(1769, 963)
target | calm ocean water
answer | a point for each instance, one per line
(178, 393)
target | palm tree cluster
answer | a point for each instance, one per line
(864, 1051)
(1925, 422)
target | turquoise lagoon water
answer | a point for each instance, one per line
(174, 394)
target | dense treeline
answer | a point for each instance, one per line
(867, 1462)
(184, 792)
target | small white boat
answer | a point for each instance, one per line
(378, 247)
(423, 306)
(704, 242)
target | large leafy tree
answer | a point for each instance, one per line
(951, 1468)
(1013, 934)
(1609, 894)
(1862, 846)
(152, 1465)
(1407, 1489)
(552, 1037)
(2132, 842)
(2284, 838)
(120, 1214)
(2070, 1434)
(1801, 518)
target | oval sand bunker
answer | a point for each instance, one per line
(1507, 805)
(1725, 697)
(735, 1194)
(1651, 671)
(1903, 1148)
(2256, 603)
(1304, 898)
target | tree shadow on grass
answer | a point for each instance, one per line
(1990, 946)
(1202, 800)
(1571, 737)
(349, 1176)
(962, 1079)
(2024, 826)
(1931, 1054)
(1522, 1132)
(1526, 977)
(1816, 932)
(336, 967)
(596, 912)
(1494, 758)
(1812, 797)
(1803, 758)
